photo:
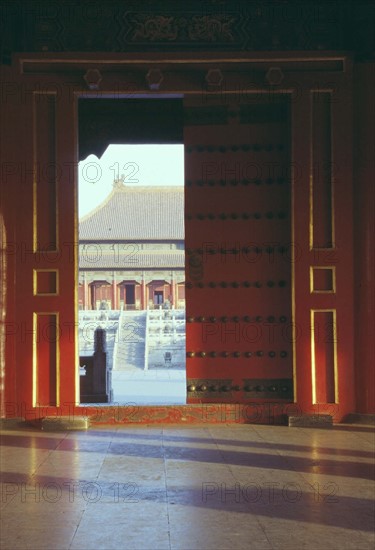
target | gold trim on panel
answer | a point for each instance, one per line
(58, 377)
(311, 178)
(332, 268)
(35, 183)
(34, 396)
(313, 362)
(312, 352)
(35, 195)
(57, 206)
(35, 362)
(311, 175)
(293, 274)
(333, 183)
(35, 282)
(335, 357)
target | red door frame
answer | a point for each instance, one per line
(275, 73)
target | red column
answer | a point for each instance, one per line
(143, 295)
(174, 293)
(147, 294)
(114, 292)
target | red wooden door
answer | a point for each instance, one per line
(238, 251)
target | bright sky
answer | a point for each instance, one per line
(140, 164)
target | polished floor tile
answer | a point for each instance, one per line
(188, 488)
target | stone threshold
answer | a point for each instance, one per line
(311, 421)
(84, 417)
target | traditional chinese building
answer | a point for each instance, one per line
(131, 252)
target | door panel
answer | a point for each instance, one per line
(238, 236)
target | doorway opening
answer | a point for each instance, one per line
(131, 251)
(129, 298)
(158, 297)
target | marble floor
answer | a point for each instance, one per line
(191, 487)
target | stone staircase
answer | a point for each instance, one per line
(136, 340)
(130, 348)
(166, 335)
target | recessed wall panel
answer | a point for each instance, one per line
(324, 356)
(46, 359)
(321, 191)
(323, 280)
(45, 173)
(46, 282)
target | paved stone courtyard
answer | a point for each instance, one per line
(188, 488)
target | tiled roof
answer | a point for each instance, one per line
(137, 213)
(140, 260)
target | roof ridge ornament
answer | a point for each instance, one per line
(119, 183)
